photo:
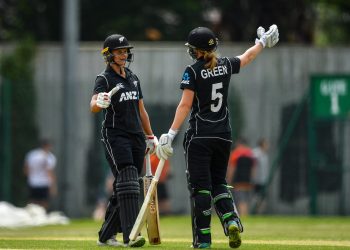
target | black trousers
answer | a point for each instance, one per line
(123, 149)
(206, 160)
(125, 153)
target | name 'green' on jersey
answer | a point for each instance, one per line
(210, 114)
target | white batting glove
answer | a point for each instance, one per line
(269, 38)
(103, 100)
(151, 144)
(164, 149)
(260, 32)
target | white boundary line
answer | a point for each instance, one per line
(344, 243)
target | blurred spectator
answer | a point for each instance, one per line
(240, 173)
(39, 168)
(102, 200)
(262, 171)
(163, 196)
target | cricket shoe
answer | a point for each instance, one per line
(234, 237)
(111, 242)
(202, 245)
(138, 242)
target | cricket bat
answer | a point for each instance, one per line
(142, 216)
(152, 220)
(114, 90)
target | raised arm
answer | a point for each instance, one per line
(250, 54)
(268, 39)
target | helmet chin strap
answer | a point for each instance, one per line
(192, 53)
(118, 67)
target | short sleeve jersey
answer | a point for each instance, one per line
(210, 114)
(123, 113)
(39, 162)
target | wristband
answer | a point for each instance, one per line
(172, 133)
(261, 41)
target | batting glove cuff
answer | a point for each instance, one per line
(262, 41)
(172, 133)
(151, 143)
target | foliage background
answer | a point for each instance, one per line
(318, 22)
(309, 22)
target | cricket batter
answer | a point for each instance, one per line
(208, 140)
(118, 93)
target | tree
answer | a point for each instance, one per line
(300, 21)
(24, 134)
(240, 19)
(140, 20)
(39, 19)
(333, 26)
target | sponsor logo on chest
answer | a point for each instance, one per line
(217, 71)
(129, 95)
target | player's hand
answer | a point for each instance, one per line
(151, 144)
(269, 38)
(165, 149)
(103, 100)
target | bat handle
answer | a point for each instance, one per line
(113, 91)
(148, 165)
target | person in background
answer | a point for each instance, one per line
(102, 199)
(260, 153)
(240, 174)
(207, 141)
(39, 165)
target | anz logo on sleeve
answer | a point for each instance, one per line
(186, 78)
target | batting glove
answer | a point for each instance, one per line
(270, 38)
(164, 149)
(103, 100)
(151, 144)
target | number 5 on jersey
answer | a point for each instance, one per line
(216, 95)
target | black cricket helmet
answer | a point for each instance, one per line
(202, 38)
(115, 41)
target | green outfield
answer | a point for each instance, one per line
(273, 232)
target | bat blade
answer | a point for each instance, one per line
(152, 220)
(142, 216)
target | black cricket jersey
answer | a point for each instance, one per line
(123, 113)
(210, 114)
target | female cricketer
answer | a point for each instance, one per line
(208, 140)
(118, 93)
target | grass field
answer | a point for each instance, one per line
(273, 232)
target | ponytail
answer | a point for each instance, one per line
(211, 59)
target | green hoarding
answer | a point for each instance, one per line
(330, 96)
